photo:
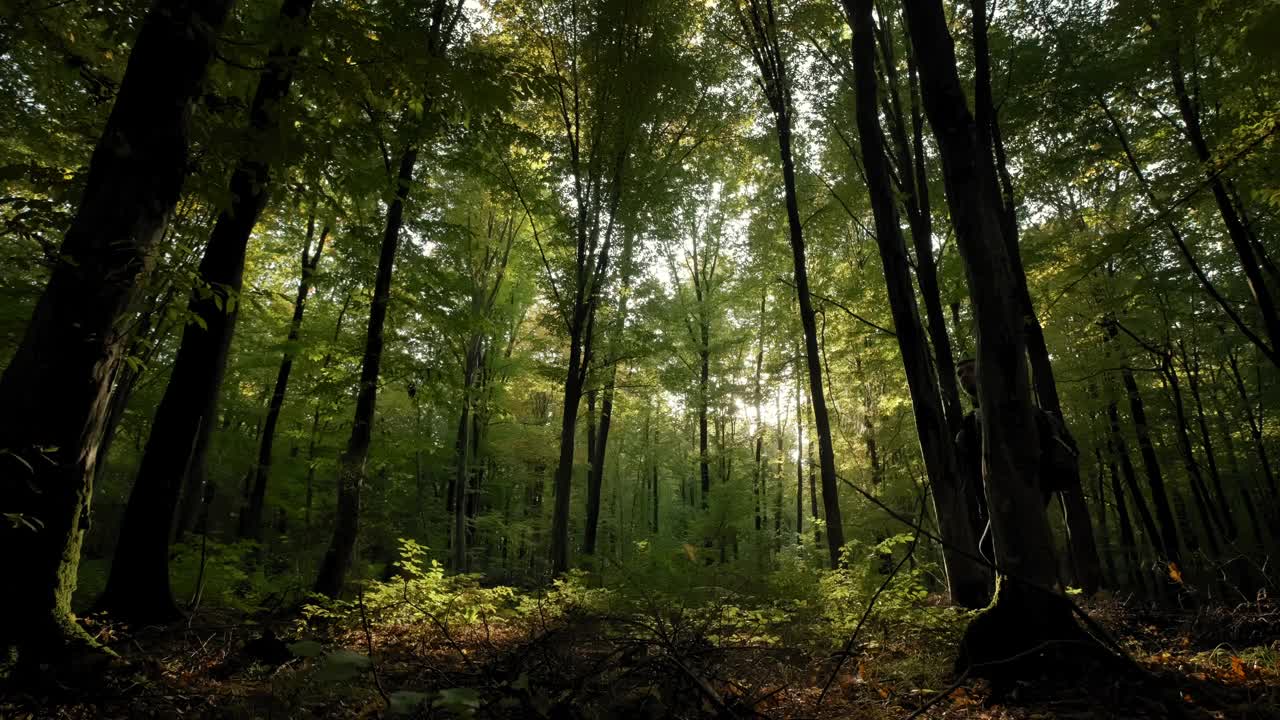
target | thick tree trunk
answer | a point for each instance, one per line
(967, 580)
(138, 586)
(1083, 550)
(1025, 611)
(351, 465)
(251, 518)
(56, 387)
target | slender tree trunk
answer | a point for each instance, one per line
(800, 455)
(1109, 576)
(758, 484)
(1155, 479)
(251, 519)
(1120, 452)
(55, 389)
(351, 464)
(138, 586)
(1255, 429)
(967, 580)
(1206, 443)
(1127, 539)
(1189, 109)
(1198, 491)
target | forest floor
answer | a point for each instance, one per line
(1216, 662)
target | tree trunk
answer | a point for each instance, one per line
(1155, 479)
(1127, 540)
(55, 389)
(1198, 491)
(251, 518)
(1240, 237)
(800, 455)
(967, 580)
(1025, 611)
(1255, 429)
(1120, 452)
(1206, 443)
(1083, 550)
(138, 587)
(351, 464)
(1109, 576)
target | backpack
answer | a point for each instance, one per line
(1059, 456)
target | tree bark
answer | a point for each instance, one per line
(1083, 550)
(1192, 369)
(595, 478)
(138, 587)
(967, 580)
(1025, 611)
(56, 387)
(351, 465)
(1120, 452)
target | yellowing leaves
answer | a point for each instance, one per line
(1175, 574)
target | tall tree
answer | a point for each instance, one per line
(967, 580)
(1010, 443)
(443, 18)
(138, 586)
(759, 28)
(56, 386)
(251, 516)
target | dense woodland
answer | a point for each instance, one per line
(606, 358)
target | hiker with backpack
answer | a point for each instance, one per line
(1059, 454)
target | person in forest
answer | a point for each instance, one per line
(1059, 454)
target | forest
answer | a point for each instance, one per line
(639, 358)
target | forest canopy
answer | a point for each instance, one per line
(553, 329)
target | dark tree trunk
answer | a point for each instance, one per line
(914, 181)
(1127, 540)
(138, 587)
(800, 455)
(251, 519)
(564, 467)
(1198, 491)
(351, 465)
(595, 480)
(1083, 550)
(1255, 429)
(56, 387)
(968, 581)
(1189, 108)
(1120, 452)
(1155, 479)
(759, 25)
(1025, 612)
(1206, 443)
